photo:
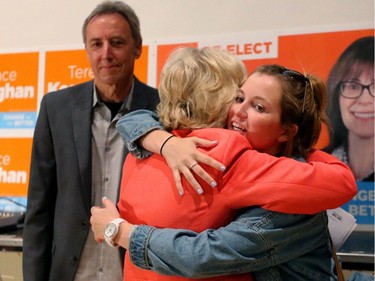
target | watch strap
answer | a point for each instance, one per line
(109, 240)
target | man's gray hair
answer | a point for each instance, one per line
(116, 7)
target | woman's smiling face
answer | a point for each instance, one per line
(256, 113)
(358, 114)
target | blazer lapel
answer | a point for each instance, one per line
(81, 118)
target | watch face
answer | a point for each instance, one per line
(110, 230)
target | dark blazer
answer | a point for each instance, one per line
(59, 196)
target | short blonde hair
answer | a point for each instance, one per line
(197, 88)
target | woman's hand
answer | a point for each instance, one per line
(100, 217)
(183, 158)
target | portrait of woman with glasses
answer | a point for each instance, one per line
(350, 88)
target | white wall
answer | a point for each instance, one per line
(52, 23)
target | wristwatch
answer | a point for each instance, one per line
(111, 231)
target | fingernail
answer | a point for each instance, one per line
(200, 191)
(213, 184)
(181, 193)
(104, 197)
(222, 168)
(214, 142)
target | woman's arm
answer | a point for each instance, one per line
(256, 240)
(146, 246)
(142, 134)
(286, 185)
(136, 125)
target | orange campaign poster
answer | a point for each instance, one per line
(18, 90)
(14, 170)
(64, 68)
(313, 53)
(164, 52)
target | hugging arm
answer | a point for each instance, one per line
(135, 125)
(285, 185)
(143, 135)
(256, 240)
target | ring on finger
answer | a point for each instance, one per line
(192, 165)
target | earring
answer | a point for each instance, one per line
(283, 138)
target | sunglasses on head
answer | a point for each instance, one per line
(297, 76)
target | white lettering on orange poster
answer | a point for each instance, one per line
(14, 166)
(66, 68)
(245, 47)
(18, 90)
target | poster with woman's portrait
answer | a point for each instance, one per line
(350, 88)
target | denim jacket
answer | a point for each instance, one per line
(272, 245)
(137, 124)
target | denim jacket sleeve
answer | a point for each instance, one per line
(257, 240)
(134, 125)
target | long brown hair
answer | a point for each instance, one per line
(303, 103)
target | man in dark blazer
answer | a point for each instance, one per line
(77, 154)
